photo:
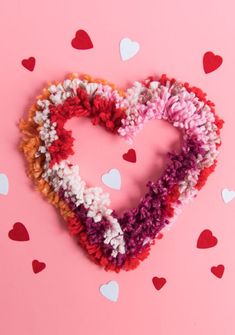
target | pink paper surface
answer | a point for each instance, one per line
(64, 298)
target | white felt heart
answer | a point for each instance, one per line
(112, 179)
(228, 195)
(3, 184)
(110, 290)
(128, 48)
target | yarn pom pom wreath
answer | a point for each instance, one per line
(119, 241)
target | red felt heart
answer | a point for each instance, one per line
(19, 233)
(130, 156)
(218, 270)
(38, 266)
(211, 62)
(82, 40)
(29, 63)
(159, 236)
(206, 240)
(158, 282)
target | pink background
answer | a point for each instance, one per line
(65, 297)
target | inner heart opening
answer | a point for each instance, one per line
(97, 151)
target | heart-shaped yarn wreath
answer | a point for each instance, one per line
(115, 241)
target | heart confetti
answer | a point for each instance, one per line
(227, 195)
(211, 62)
(110, 290)
(158, 282)
(29, 63)
(218, 270)
(19, 232)
(82, 40)
(4, 184)
(130, 156)
(128, 48)
(38, 266)
(112, 179)
(206, 240)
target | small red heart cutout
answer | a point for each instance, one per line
(206, 240)
(130, 156)
(19, 232)
(160, 236)
(211, 62)
(29, 63)
(82, 40)
(38, 266)
(218, 270)
(158, 282)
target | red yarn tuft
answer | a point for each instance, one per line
(204, 174)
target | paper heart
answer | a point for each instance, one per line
(120, 241)
(130, 156)
(206, 240)
(158, 282)
(128, 48)
(211, 62)
(4, 185)
(110, 290)
(19, 232)
(82, 40)
(218, 270)
(112, 179)
(29, 63)
(38, 266)
(228, 195)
